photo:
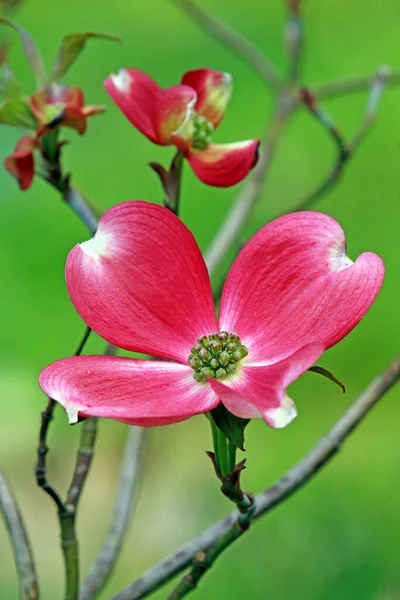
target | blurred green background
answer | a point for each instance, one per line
(338, 537)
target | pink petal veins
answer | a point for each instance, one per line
(293, 285)
(141, 282)
(133, 391)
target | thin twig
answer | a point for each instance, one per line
(247, 199)
(67, 516)
(46, 418)
(245, 504)
(345, 150)
(102, 568)
(19, 539)
(233, 40)
(349, 86)
(83, 462)
(293, 33)
(293, 480)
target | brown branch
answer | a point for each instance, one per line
(67, 515)
(350, 86)
(46, 418)
(19, 539)
(233, 40)
(292, 481)
(345, 150)
(294, 39)
(83, 462)
(103, 566)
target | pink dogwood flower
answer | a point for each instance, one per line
(142, 284)
(185, 115)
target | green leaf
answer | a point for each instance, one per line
(328, 374)
(231, 426)
(15, 112)
(14, 109)
(31, 51)
(71, 47)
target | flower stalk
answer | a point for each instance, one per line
(224, 450)
(171, 180)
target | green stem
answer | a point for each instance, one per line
(231, 456)
(172, 184)
(50, 148)
(221, 451)
(70, 548)
(224, 450)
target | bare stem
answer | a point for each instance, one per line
(292, 481)
(83, 462)
(352, 85)
(345, 150)
(67, 515)
(46, 418)
(293, 33)
(233, 40)
(101, 569)
(19, 539)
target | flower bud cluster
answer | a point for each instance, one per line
(216, 356)
(202, 130)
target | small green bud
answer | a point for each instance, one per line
(203, 340)
(205, 354)
(215, 346)
(231, 367)
(220, 373)
(214, 364)
(207, 372)
(244, 351)
(230, 347)
(196, 349)
(237, 355)
(224, 358)
(199, 377)
(195, 363)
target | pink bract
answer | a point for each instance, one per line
(21, 162)
(185, 115)
(142, 284)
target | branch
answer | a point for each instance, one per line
(83, 462)
(19, 539)
(293, 34)
(345, 151)
(103, 566)
(246, 200)
(67, 515)
(233, 40)
(245, 504)
(81, 209)
(46, 418)
(292, 481)
(349, 86)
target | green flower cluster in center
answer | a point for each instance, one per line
(216, 356)
(202, 130)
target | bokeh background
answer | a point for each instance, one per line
(339, 536)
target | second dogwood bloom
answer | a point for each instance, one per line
(142, 284)
(186, 115)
